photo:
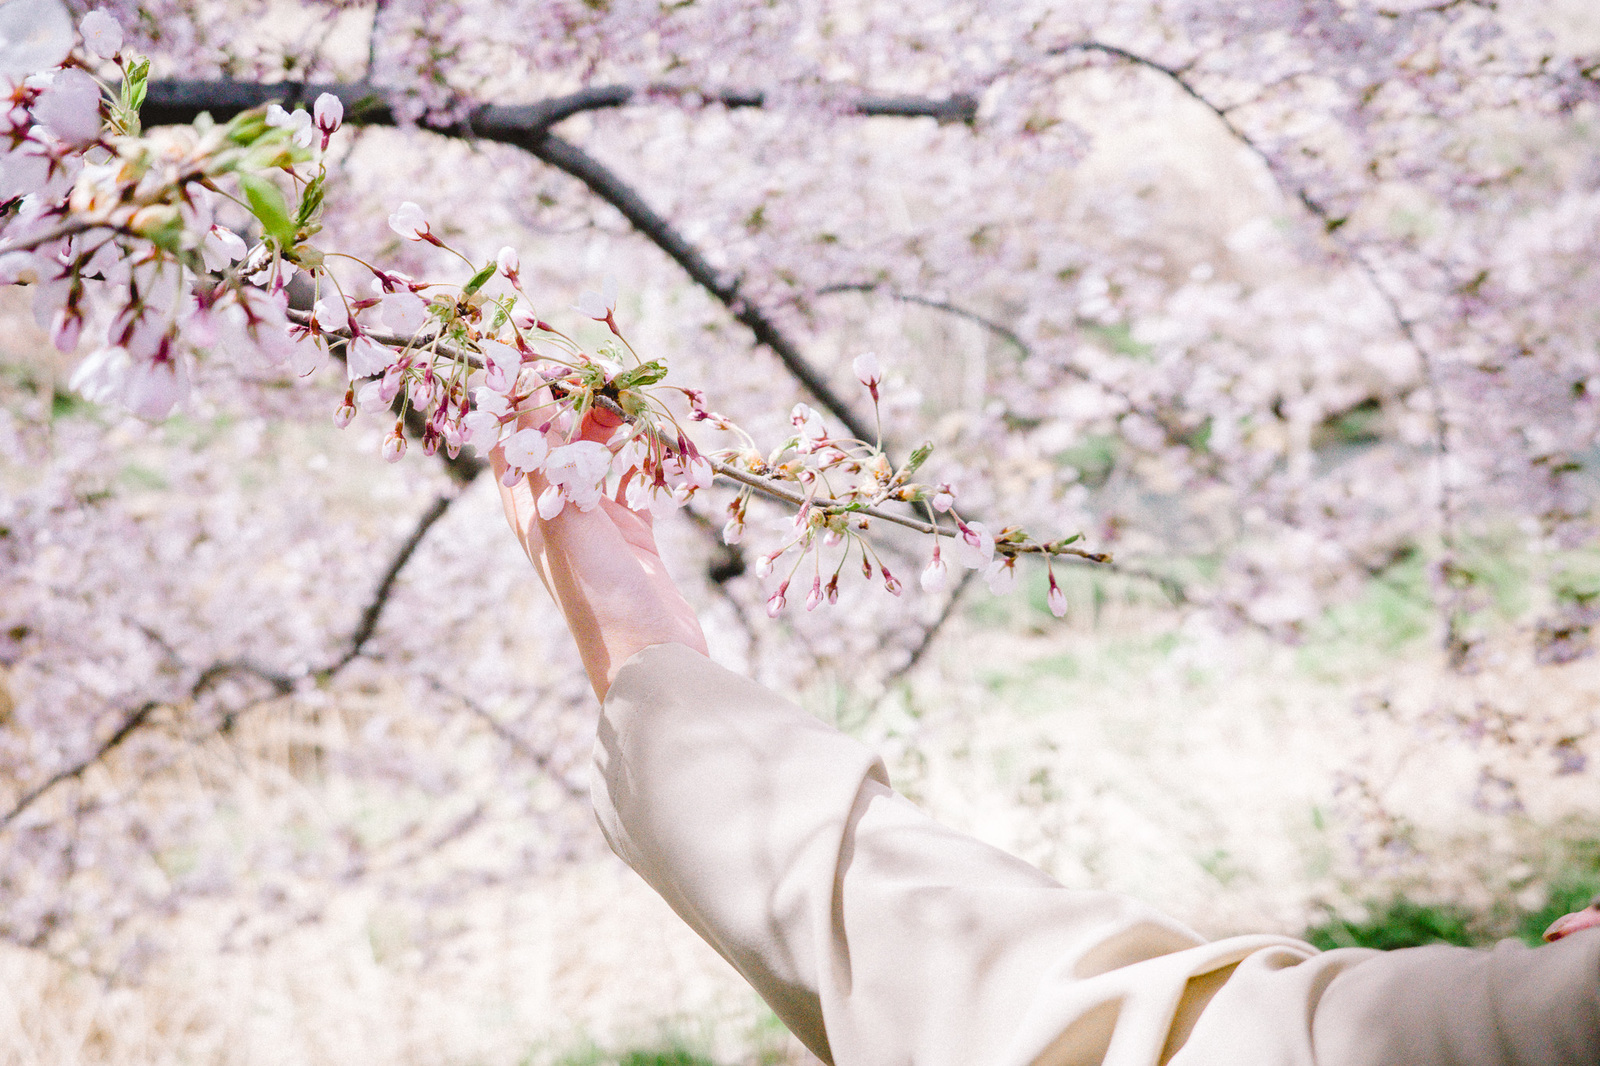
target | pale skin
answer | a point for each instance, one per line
(605, 572)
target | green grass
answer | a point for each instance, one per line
(1403, 923)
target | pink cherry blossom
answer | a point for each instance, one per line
(297, 122)
(221, 248)
(408, 222)
(1056, 599)
(327, 115)
(550, 502)
(101, 34)
(975, 546)
(598, 305)
(525, 451)
(365, 357)
(579, 469)
(404, 312)
(69, 106)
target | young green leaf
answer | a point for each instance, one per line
(268, 205)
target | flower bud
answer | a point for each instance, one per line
(551, 502)
(394, 445)
(346, 412)
(1056, 598)
(814, 597)
(868, 372)
(328, 114)
(733, 532)
(508, 262)
(891, 582)
(776, 602)
(408, 222)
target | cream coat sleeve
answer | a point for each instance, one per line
(882, 938)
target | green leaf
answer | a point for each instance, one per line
(310, 201)
(918, 457)
(640, 376)
(479, 280)
(268, 205)
(137, 83)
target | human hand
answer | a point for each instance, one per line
(602, 568)
(1568, 924)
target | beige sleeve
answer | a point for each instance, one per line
(876, 934)
(883, 938)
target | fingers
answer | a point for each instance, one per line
(1567, 924)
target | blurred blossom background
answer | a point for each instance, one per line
(1292, 307)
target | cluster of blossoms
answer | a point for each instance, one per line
(110, 225)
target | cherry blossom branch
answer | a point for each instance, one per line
(528, 127)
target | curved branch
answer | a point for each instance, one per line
(380, 596)
(571, 159)
(1004, 332)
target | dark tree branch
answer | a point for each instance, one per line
(380, 597)
(131, 722)
(603, 183)
(528, 127)
(178, 101)
(931, 631)
(1004, 332)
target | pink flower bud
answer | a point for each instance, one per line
(934, 575)
(389, 384)
(868, 372)
(508, 262)
(1056, 598)
(776, 602)
(891, 582)
(328, 114)
(733, 532)
(66, 329)
(833, 589)
(551, 502)
(814, 597)
(345, 414)
(394, 445)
